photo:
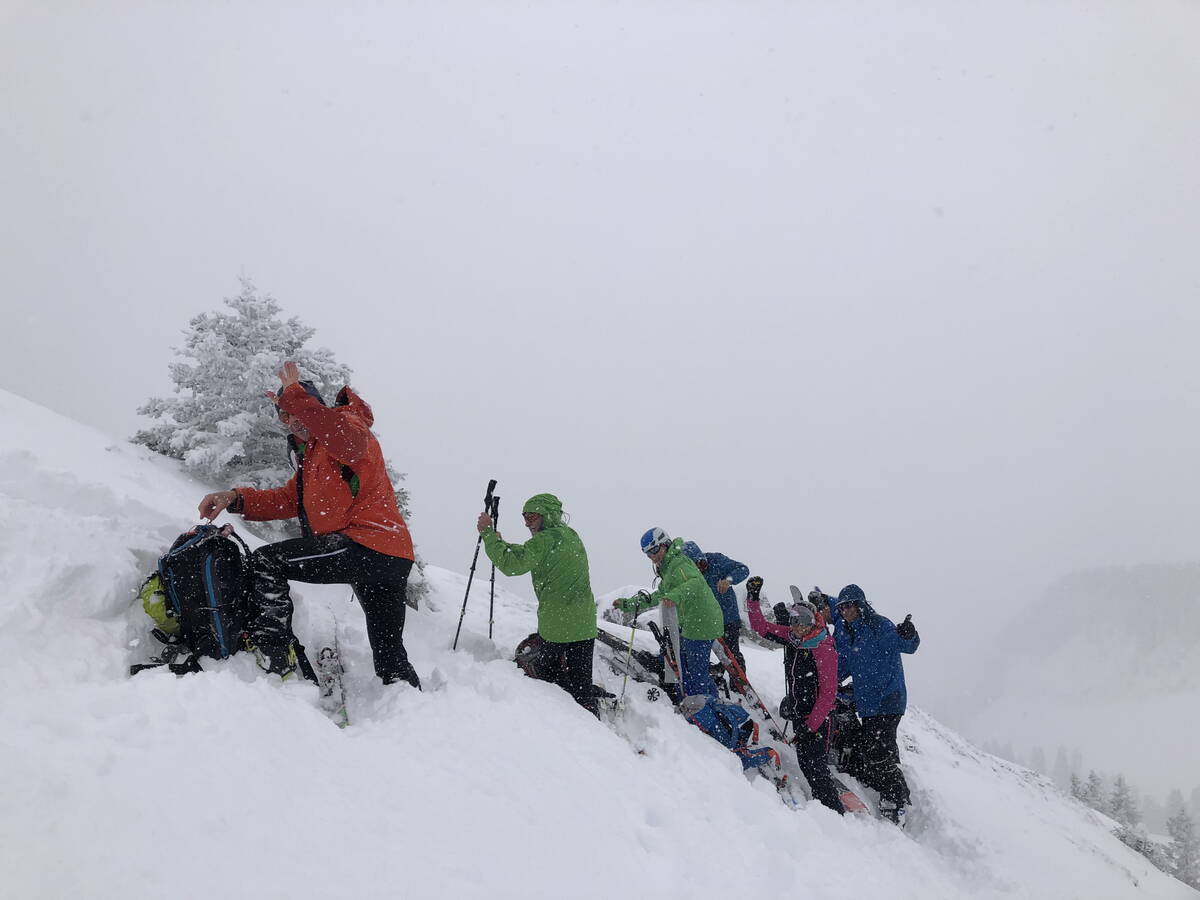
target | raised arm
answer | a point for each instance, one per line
(343, 433)
(759, 622)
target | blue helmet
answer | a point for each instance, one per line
(653, 539)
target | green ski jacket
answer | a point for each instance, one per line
(556, 559)
(700, 617)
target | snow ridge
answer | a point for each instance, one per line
(487, 784)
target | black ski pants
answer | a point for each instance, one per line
(813, 755)
(733, 637)
(881, 758)
(379, 581)
(569, 665)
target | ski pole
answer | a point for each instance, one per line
(629, 652)
(487, 507)
(492, 591)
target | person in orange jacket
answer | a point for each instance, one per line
(352, 530)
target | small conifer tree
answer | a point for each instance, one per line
(1183, 854)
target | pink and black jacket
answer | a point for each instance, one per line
(810, 667)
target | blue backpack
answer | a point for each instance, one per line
(728, 724)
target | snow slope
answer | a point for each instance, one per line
(487, 784)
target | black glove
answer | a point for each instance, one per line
(817, 598)
(787, 707)
(782, 616)
(907, 629)
(754, 584)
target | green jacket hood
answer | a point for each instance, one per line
(547, 506)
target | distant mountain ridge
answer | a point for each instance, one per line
(1104, 661)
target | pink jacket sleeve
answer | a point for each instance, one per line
(826, 659)
(761, 626)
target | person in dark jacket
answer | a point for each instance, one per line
(810, 669)
(869, 647)
(352, 530)
(722, 573)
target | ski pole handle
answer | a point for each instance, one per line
(495, 513)
(487, 498)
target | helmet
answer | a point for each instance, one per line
(802, 614)
(653, 539)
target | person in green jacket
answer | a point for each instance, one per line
(700, 618)
(555, 557)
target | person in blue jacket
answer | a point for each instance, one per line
(869, 647)
(722, 573)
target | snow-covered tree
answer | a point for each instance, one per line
(1093, 790)
(1077, 787)
(1121, 804)
(1175, 802)
(221, 424)
(1183, 854)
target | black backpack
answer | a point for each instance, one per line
(200, 596)
(203, 582)
(205, 577)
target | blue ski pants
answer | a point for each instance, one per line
(695, 675)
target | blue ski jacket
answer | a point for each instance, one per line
(869, 651)
(714, 567)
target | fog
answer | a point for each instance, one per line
(850, 293)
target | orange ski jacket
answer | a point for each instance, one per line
(340, 440)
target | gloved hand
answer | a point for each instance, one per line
(907, 629)
(754, 584)
(818, 598)
(782, 616)
(787, 707)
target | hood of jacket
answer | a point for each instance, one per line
(349, 398)
(547, 506)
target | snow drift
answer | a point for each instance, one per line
(487, 784)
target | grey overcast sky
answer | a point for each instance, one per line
(900, 294)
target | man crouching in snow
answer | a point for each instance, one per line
(352, 529)
(566, 614)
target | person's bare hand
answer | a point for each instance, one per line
(214, 504)
(723, 585)
(485, 521)
(288, 375)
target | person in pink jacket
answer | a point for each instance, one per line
(810, 669)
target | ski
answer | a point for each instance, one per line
(329, 679)
(740, 683)
(670, 661)
(640, 665)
